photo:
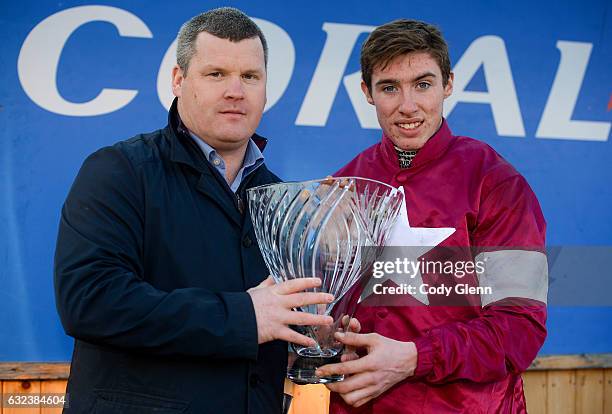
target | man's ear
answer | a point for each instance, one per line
(177, 81)
(367, 93)
(448, 89)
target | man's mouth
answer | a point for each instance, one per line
(233, 112)
(411, 125)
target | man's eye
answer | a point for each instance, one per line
(389, 88)
(215, 74)
(249, 76)
(423, 85)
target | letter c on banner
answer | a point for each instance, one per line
(42, 48)
(281, 61)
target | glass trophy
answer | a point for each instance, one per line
(319, 229)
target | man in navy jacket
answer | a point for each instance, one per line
(158, 275)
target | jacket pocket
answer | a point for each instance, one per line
(116, 401)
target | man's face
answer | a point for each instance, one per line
(223, 93)
(408, 94)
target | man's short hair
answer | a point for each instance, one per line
(224, 23)
(399, 37)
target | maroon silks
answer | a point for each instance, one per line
(470, 358)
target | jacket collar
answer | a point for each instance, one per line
(182, 147)
(434, 148)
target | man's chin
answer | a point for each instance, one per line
(232, 142)
(409, 144)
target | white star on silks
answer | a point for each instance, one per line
(420, 240)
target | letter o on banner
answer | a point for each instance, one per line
(281, 61)
(42, 48)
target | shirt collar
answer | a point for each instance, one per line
(252, 156)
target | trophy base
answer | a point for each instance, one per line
(302, 371)
(305, 378)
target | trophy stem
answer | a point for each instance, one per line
(302, 371)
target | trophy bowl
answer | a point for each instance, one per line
(318, 229)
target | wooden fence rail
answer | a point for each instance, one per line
(559, 384)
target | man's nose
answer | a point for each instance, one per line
(234, 88)
(408, 104)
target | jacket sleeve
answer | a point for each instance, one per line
(102, 295)
(505, 339)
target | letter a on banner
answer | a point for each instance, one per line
(490, 52)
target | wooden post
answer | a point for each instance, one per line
(608, 391)
(21, 388)
(535, 384)
(589, 391)
(561, 392)
(52, 387)
(310, 399)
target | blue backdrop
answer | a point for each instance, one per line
(533, 79)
